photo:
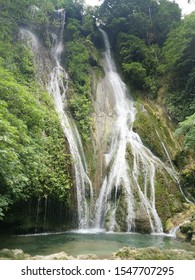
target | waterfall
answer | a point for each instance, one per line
(136, 181)
(58, 91)
(57, 87)
(173, 231)
(131, 168)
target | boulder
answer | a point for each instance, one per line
(152, 253)
(15, 254)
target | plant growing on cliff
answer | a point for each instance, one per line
(81, 109)
(78, 53)
(187, 128)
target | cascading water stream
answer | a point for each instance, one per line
(58, 91)
(57, 87)
(135, 181)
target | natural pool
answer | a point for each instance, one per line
(102, 244)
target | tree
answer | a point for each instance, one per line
(179, 61)
(168, 15)
(136, 72)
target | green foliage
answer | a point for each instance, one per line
(33, 158)
(187, 128)
(4, 202)
(131, 48)
(78, 64)
(179, 54)
(81, 109)
(136, 72)
(150, 20)
(72, 29)
(167, 16)
(79, 58)
(137, 30)
(178, 40)
(74, 8)
(139, 62)
(88, 23)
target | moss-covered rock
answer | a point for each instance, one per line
(188, 180)
(155, 130)
(168, 197)
(187, 213)
(121, 212)
(16, 254)
(187, 230)
(152, 253)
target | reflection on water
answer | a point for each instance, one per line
(101, 244)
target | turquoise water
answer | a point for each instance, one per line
(101, 244)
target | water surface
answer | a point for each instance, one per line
(101, 244)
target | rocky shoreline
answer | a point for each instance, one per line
(126, 253)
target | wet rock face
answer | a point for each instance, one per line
(142, 225)
(104, 118)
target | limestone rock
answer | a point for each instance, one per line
(87, 257)
(57, 256)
